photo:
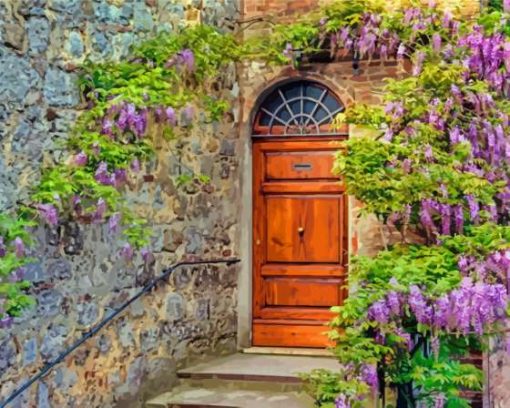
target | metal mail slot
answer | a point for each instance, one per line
(302, 166)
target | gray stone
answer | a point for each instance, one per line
(202, 309)
(149, 339)
(29, 351)
(125, 333)
(43, 396)
(75, 44)
(60, 88)
(228, 147)
(14, 35)
(38, 30)
(60, 269)
(101, 44)
(35, 273)
(193, 240)
(66, 6)
(49, 302)
(7, 354)
(104, 343)
(53, 341)
(142, 18)
(136, 374)
(174, 306)
(65, 378)
(88, 313)
(17, 77)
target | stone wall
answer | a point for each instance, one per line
(78, 277)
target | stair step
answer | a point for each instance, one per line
(225, 397)
(256, 367)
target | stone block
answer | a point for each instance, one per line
(14, 35)
(30, 351)
(66, 6)
(49, 302)
(38, 31)
(60, 88)
(142, 18)
(175, 306)
(17, 77)
(75, 45)
(7, 354)
(53, 341)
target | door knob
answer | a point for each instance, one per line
(301, 230)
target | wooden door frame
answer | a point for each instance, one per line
(257, 164)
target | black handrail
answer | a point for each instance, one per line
(91, 333)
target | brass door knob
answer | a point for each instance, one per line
(301, 230)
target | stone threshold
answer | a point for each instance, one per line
(289, 351)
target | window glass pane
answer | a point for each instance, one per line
(313, 91)
(331, 103)
(293, 90)
(283, 114)
(308, 106)
(320, 115)
(264, 119)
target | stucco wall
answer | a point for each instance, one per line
(79, 277)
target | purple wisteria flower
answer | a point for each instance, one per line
(188, 59)
(436, 42)
(127, 252)
(135, 165)
(474, 207)
(342, 401)
(102, 175)
(80, 159)
(369, 375)
(288, 51)
(6, 322)
(3, 249)
(171, 117)
(379, 312)
(19, 247)
(98, 216)
(49, 213)
(113, 222)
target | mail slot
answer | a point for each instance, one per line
(302, 166)
(316, 165)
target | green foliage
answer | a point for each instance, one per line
(12, 291)
(324, 386)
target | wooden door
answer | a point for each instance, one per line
(299, 241)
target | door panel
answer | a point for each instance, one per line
(302, 292)
(303, 229)
(300, 242)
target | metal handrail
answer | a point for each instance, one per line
(91, 333)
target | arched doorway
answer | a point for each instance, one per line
(299, 216)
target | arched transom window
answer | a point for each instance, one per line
(297, 109)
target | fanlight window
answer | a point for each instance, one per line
(297, 109)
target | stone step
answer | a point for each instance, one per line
(258, 367)
(244, 381)
(189, 396)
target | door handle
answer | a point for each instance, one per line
(301, 231)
